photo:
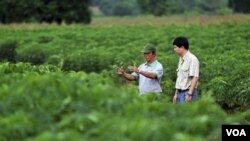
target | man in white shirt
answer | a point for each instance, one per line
(187, 72)
(148, 74)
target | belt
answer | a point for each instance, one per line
(179, 90)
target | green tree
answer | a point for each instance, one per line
(185, 6)
(240, 5)
(45, 11)
(201, 6)
(74, 10)
(156, 7)
(123, 8)
(17, 11)
(210, 6)
(117, 8)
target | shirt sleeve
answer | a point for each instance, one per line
(194, 68)
(135, 75)
(158, 70)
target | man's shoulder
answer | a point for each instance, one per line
(193, 57)
(157, 61)
(159, 64)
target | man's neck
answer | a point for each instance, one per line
(184, 53)
(151, 61)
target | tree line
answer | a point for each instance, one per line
(45, 11)
(167, 7)
(78, 11)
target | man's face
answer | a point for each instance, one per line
(149, 56)
(178, 50)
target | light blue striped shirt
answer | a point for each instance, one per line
(147, 84)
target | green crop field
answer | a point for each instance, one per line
(59, 82)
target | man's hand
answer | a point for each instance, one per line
(133, 69)
(120, 71)
(175, 98)
(188, 98)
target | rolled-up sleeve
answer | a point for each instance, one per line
(135, 75)
(158, 70)
(194, 68)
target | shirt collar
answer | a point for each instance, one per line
(186, 55)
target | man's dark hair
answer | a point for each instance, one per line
(181, 41)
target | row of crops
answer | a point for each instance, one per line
(223, 51)
(59, 82)
(41, 103)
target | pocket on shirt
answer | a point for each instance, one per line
(185, 72)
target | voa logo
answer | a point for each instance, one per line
(236, 132)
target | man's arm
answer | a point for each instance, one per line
(194, 73)
(191, 88)
(120, 71)
(128, 76)
(175, 96)
(144, 73)
(148, 74)
(193, 85)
